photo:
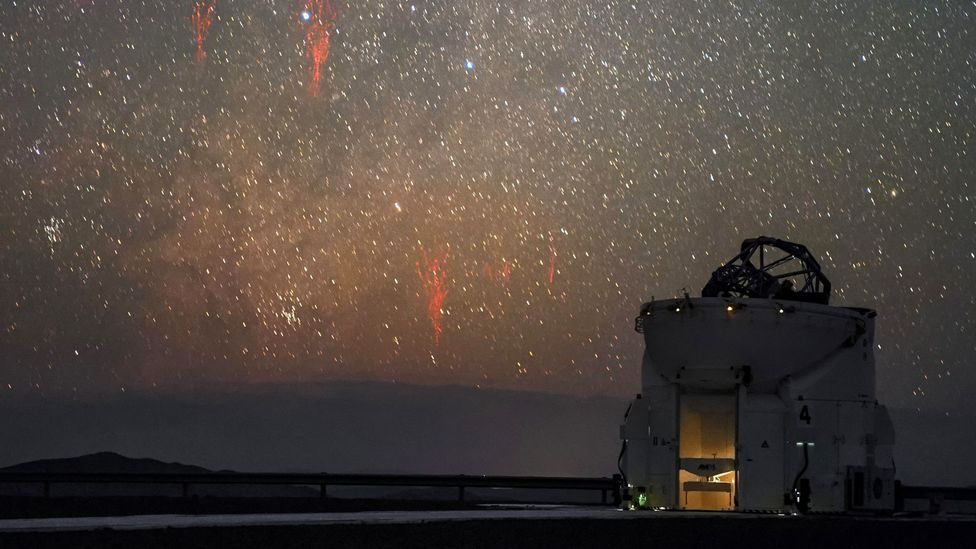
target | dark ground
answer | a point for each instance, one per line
(32, 507)
(656, 531)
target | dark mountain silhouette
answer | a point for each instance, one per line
(103, 462)
(111, 462)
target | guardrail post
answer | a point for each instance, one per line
(461, 493)
(322, 490)
(618, 481)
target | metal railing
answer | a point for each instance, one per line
(935, 496)
(608, 487)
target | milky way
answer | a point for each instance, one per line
(171, 220)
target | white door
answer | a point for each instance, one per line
(760, 453)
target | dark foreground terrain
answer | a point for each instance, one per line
(647, 530)
(21, 507)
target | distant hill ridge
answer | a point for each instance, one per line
(103, 462)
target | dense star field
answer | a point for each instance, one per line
(197, 193)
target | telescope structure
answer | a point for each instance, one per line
(759, 395)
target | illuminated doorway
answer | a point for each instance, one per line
(706, 475)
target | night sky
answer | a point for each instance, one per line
(470, 193)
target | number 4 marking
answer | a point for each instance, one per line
(805, 414)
